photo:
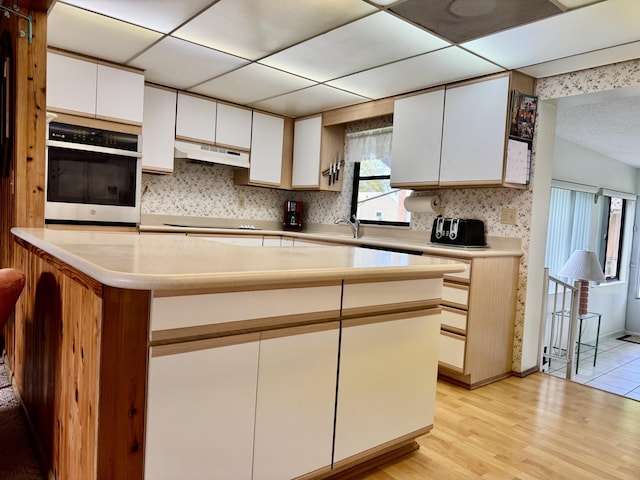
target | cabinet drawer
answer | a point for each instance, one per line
(360, 297)
(456, 294)
(452, 349)
(267, 306)
(454, 318)
(465, 275)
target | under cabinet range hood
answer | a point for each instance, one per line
(210, 154)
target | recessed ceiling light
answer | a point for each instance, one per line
(472, 8)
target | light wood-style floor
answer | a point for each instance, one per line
(533, 428)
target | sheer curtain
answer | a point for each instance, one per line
(569, 226)
(369, 144)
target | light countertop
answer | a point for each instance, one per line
(173, 262)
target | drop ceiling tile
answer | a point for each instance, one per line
(371, 41)
(428, 70)
(79, 31)
(309, 100)
(607, 56)
(252, 83)
(160, 15)
(461, 20)
(181, 64)
(575, 32)
(256, 28)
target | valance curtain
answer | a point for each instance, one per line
(369, 144)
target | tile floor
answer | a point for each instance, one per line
(617, 368)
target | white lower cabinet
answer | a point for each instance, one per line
(387, 380)
(296, 401)
(201, 409)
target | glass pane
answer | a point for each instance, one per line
(375, 166)
(613, 238)
(378, 202)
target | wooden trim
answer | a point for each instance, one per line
(119, 66)
(375, 277)
(83, 279)
(387, 317)
(453, 330)
(116, 125)
(355, 312)
(361, 111)
(201, 332)
(119, 120)
(123, 379)
(358, 470)
(479, 79)
(299, 330)
(525, 373)
(160, 87)
(458, 286)
(415, 185)
(244, 288)
(419, 92)
(158, 170)
(198, 141)
(323, 472)
(197, 345)
(457, 336)
(382, 449)
(473, 183)
(233, 147)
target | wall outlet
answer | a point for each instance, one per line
(240, 202)
(508, 216)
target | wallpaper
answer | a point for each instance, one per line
(208, 191)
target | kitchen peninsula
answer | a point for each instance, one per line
(163, 355)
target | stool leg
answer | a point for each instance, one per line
(595, 353)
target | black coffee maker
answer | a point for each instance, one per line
(292, 216)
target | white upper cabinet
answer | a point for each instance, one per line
(120, 94)
(71, 84)
(267, 143)
(417, 137)
(307, 139)
(196, 118)
(474, 132)
(233, 126)
(158, 129)
(84, 87)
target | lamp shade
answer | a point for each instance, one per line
(583, 265)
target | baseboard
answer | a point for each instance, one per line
(526, 373)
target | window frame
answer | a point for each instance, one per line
(354, 199)
(603, 235)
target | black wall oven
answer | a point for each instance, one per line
(93, 176)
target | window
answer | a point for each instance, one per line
(573, 225)
(374, 201)
(613, 214)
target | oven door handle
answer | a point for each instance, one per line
(93, 148)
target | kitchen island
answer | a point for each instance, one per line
(170, 356)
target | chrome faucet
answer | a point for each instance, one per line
(355, 225)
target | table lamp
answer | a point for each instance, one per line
(584, 266)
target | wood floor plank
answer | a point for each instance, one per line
(527, 428)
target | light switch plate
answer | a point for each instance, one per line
(508, 216)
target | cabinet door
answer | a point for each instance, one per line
(267, 138)
(201, 409)
(233, 126)
(474, 132)
(387, 382)
(296, 400)
(120, 94)
(417, 138)
(158, 129)
(196, 118)
(71, 84)
(306, 153)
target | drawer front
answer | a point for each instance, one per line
(465, 275)
(365, 295)
(196, 310)
(452, 318)
(452, 350)
(453, 293)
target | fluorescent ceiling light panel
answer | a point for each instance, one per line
(251, 83)
(79, 31)
(607, 56)
(310, 100)
(160, 15)
(591, 28)
(256, 28)
(181, 64)
(374, 40)
(431, 69)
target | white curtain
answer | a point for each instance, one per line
(369, 144)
